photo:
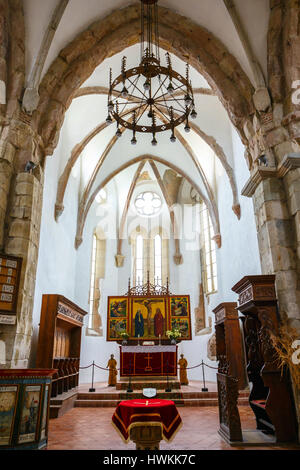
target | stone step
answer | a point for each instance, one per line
(140, 385)
(127, 396)
(136, 394)
(181, 399)
(178, 402)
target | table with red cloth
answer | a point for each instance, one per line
(137, 361)
(148, 412)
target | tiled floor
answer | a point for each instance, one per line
(91, 429)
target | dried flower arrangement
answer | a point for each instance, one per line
(284, 346)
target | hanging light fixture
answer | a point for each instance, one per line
(151, 97)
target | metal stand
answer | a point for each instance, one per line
(204, 389)
(168, 389)
(129, 388)
(92, 389)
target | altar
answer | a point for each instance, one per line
(158, 360)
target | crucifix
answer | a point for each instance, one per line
(147, 303)
(148, 357)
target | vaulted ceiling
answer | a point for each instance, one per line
(198, 156)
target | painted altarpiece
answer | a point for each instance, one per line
(148, 317)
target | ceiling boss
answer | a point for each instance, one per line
(150, 97)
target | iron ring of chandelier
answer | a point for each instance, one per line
(146, 103)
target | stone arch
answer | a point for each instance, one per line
(119, 257)
(283, 62)
(177, 256)
(119, 30)
(83, 210)
(283, 47)
(12, 33)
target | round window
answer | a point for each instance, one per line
(148, 203)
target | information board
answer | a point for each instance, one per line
(10, 269)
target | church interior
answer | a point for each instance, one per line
(150, 224)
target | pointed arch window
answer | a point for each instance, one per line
(209, 261)
(92, 281)
(98, 256)
(158, 259)
(150, 254)
(139, 260)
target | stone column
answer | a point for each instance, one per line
(276, 237)
(23, 241)
(7, 153)
(276, 199)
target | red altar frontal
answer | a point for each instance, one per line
(150, 361)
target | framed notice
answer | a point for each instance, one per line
(10, 270)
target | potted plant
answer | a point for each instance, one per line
(124, 335)
(173, 335)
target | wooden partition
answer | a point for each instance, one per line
(271, 397)
(231, 370)
(60, 340)
(230, 342)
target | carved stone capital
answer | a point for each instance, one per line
(237, 210)
(178, 258)
(260, 174)
(291, 161)
(31, 100)
(119, 259)
(59, 208)
(78, 241)
(261, 99)
(218, 239)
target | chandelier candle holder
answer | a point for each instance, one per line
(146, 98)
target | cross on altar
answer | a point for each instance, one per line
(142, 361)
(148, 357)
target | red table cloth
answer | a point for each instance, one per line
(132, 413)
(143, 361)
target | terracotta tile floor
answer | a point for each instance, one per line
(91, 429)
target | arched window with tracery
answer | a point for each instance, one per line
(97, 275)
(158, 259)
(139, 260)
(150, 254)
(208, 253)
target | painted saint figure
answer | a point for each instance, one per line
(112, 366)
(183, 372)
(138, 325)
(158, 323)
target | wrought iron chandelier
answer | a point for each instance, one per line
(150, 98)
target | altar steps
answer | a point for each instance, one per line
(97, 400)
(140, 384)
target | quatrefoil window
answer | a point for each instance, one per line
(148, 203)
